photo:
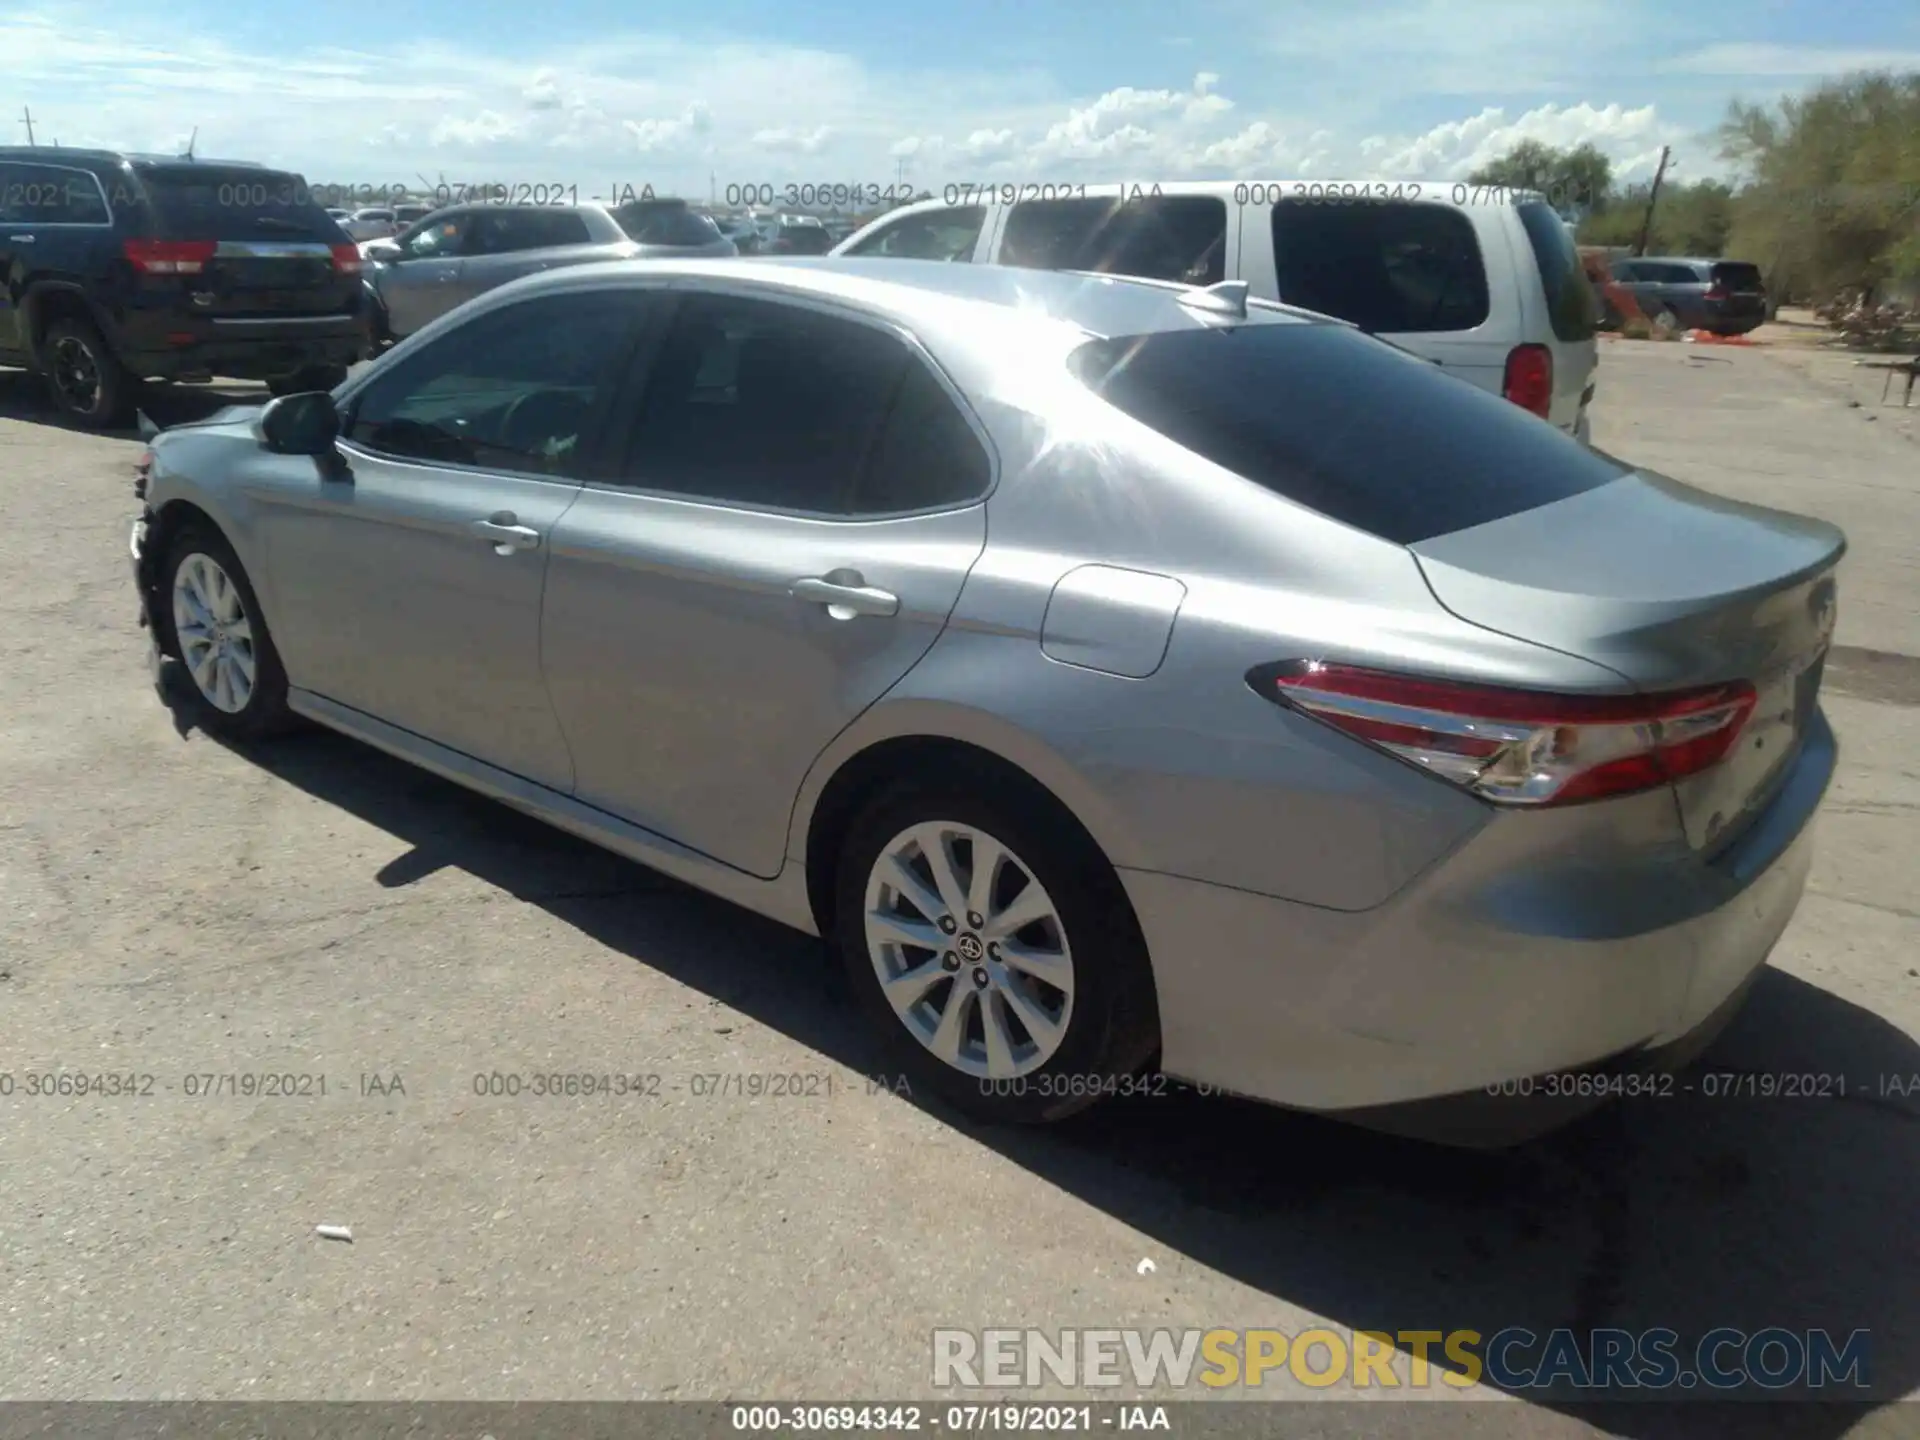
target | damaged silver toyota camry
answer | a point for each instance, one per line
(1126, 679)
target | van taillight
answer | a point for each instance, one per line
(169, 257)
(1529, 382)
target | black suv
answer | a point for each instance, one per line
(120, 268)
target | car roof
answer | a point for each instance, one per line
(69, 154)
(913, 292)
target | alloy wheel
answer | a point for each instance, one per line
(969, 949)
(215, 633)
(75, 374)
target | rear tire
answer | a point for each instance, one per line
(216, 630)
(84, 376)
(1067, 993)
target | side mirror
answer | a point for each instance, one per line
(385, 251)
(305, 424)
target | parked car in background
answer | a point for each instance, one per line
(373, 222)
(672, 227)
(1227, 687)
(466, 250)
(405, 215)
(1724, 297)
(121, 268)
(1492, 292)
(798, 235)
(337, 214)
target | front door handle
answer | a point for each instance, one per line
(506, 534)
(845, 599)
(20, 239)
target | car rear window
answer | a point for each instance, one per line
(1158, 237)
(1352, 427)
(1388, 266)
(666, 225)
(1737, 275)
(207, 202)
(1570, 303)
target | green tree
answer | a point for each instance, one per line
(1689, 220)
(1578, 180)
(1832, 199)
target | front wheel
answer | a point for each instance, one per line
(991, 943)
(221, 638)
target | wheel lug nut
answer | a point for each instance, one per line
(980, 979)
(947, 925)
(950, 960)
(974, 922)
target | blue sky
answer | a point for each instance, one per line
(681, 94)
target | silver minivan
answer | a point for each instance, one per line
(1482, 280)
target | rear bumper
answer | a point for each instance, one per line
(1545, 944)
(247, 349)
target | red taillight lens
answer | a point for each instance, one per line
(1520, 747)
(142, 469)
(1529, 382)
(169, 257)
(1716, 291)
(346, 259)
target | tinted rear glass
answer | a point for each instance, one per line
(666, 225)
(1570, 303)
(1346, 425)
(206, 202)
(1738, 275)
(1389, 267)
(1159, 237)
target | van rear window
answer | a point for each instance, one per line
(205, 202)
(1573, 311)
(1352, 427)
(1739, 277)
(1390, 267)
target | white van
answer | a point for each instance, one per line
(1482, 280)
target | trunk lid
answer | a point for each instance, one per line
(273, 243)
(1669, 587)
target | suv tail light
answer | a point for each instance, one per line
(346, 259)
(142, 470)
(1717, 290)
(1520, 747)
(169, 257)
(1529, 380)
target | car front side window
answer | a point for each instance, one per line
(436, 241)
(516, 389)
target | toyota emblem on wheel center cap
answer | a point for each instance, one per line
(969, 946)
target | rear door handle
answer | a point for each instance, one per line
(506, 534)
(845, 599)
(21, 239)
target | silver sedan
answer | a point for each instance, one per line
(1129, 681)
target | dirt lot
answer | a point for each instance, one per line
(172, 908)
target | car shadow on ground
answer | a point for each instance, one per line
(24, 397)
(1686, 1212)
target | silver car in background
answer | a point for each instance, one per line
(455, 254)
(1119, 674)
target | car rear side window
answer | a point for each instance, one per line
(1158, 237)
(666, 225)
(501, 232)
(205, 202)
(50, 195)
(1738, 276)
(1570, 304)
(927, 457)
(948, 234)
(1389, 266)
(752, 402)
(1351, 427)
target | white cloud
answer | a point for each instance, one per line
(1454, 149)
(487, 128)
(652, 136)
(787, 140)
(543, 91)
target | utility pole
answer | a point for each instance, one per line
(26, 118)
(1653, 197)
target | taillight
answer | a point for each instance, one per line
(1716, 291)
(169, 257)
(346, 259)
(1529, 382)
(1520, 747)
(142, 468)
